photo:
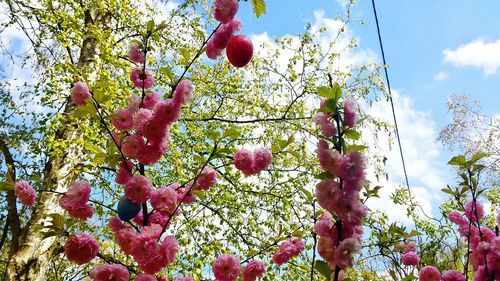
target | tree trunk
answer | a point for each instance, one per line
(30, 259)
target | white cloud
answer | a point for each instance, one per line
(421, 151)
(479, 53)
(440, 76)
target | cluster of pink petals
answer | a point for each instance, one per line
(183, 92)
(124, 174)
(288, 250)
(136, 54)
(145, 277)
(74, 201)
(410, 259)
(25, 193)
(429, 273)
(350, 116)
(251, 164)
(453, 275)
(221, 37)
(225, 10)
(80, 93)
(207, 179)
(339, 195)
(326, 126)
(81, 248)
(226, 268)
(110, 272)
(253, 270)
(164, 200)
(142, 78)
(484, 243)
(138, 189)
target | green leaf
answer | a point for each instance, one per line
(231, 133)
(360, 148)
(151, 26)
(161, 26)
(337, 91)
(449, 191)
(457, 161)
(352, 134)
(413, 233)
(259, 7)
(306, 192)
(6, 186)
(324, 175)
(478, 156)
(323, 268)
(325, 92)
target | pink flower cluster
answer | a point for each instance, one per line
(110, 272)
(25, 193)
(221, 37)
(409, 250)
(253, 270)
(339, 195)
(136, 54)
(251, 164)
(288, 250)
(226, 268)
(143, 246)
(81, 248)
(484, 243)
(225, 10)
(74, 201)
(80, 93)
(430, 273)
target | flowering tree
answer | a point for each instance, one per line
(155, 158)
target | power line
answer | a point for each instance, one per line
(390, 97)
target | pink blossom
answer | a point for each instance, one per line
(352, 166)
(135, 53)
(141, 117)
(329, 160)
(243, 161)
(495, 245)
(350, 113)
(429, 273)
(457, 218)
(142, 79)
(212, 51)
(25, 193)
(288, 249)
(149, 154)
(328, 129)
(480, 274)
(82, 212)
(470, 211)
(156, 131)
(150, 100)
(78, 194)
(324, 225)
(124, 174)
(453, 275)
(134, 101)
(183, 92)
(183, 197)
(225, 10)
(124, 238)
(164, 200)
(132, 145)
(326, 248)
(207, 179)
(410, 247)
(493, 261)
(344, 253)
(328, 194)
(138, 189)
(169, 248)
(110, 272)
(262, 158)
(168, 111)
(81, 248)
(80, 93)
(224, 33)
(226, 268)
(410, 258)
(253, 270)
(145, 277)
(122, 119)
(116, 224)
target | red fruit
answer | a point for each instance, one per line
(239, 50)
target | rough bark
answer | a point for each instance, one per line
(31, 258)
